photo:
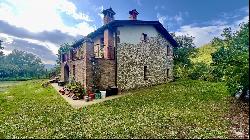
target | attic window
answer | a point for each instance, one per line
(168, 50)
(118, 39)
(144, 37)
(145, 72)
(118, 32)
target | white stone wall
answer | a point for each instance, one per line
(131, 59)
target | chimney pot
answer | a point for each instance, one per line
(133, 14)
(108, 15)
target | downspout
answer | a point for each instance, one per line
(116, 57)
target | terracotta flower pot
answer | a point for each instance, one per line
(91, 96)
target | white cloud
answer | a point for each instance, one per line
(99, 10)
(178, 18)
(205, 34)
(70, 9)
(161, 18)
(38, 16)
(11, 41)
(202, 34)
(8, 39)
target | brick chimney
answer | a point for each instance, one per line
(108, 15)
(133, 14)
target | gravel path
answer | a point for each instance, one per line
(81, 103)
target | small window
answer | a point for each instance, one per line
(118, 32)
(144, 36)
(145, 73)
(168, 73)
(74, 71)
(168, 50)
(118, 39)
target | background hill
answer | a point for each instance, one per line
(204, 54)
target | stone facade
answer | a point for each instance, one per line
(104, 73)
(152, 54)
(138, 65)
(80, 69)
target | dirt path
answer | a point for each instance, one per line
(81, 103)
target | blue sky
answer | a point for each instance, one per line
(41, 26)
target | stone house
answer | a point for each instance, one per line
(123, 53)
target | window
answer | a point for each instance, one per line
(74, 71)
(145, 73)
(168, 50)
(118, 32)
(144, 37)
(168, 73)
(118, 39)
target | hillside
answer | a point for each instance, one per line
(204, 54)
(182, 109)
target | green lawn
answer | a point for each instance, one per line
(6, 84)
(182, 109)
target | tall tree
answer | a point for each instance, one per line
(185, 49)
(182, 54)
(64, 48)
(231, 60)
(21, 64)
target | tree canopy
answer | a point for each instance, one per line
(20, 64)
(231, 60)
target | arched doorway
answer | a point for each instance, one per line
(66, 73)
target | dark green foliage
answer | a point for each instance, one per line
(20, 65)
(77, 88)
(64, 48)
(182, 55)
(231, 61)
(184, 51)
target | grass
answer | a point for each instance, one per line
(182, 109)
(6, 84)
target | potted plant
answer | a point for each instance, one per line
(90, 94)
(97, 94)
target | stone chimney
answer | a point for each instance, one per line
(108, 15)
(133, 14)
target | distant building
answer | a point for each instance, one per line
(122, 53)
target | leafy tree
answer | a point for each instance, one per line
(20, 64)
(1, 48)
(64, 48)
(231, 60)
(201, 71)
(182, 54)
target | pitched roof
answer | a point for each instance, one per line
(117, 23)
(78, 43)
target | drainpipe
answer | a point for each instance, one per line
(115, 57)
